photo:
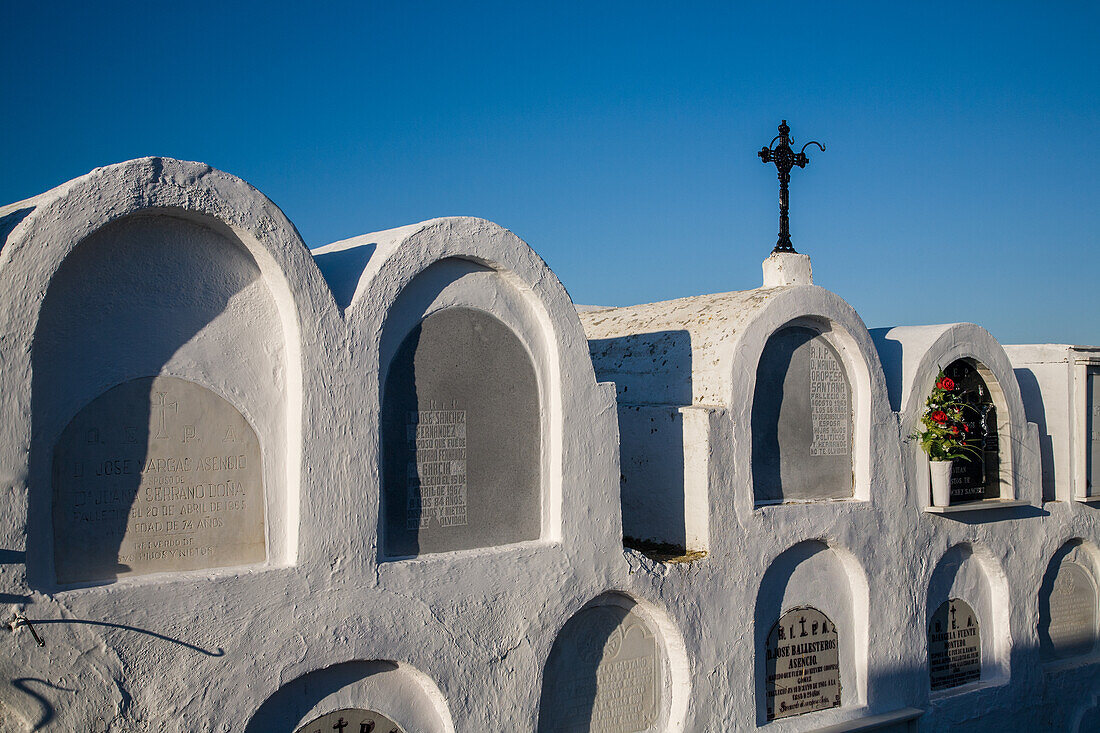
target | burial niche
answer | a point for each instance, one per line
(1092, 430)
(976, 477)
(351, 720)
(954, 645)
(1067, 608)
(801, 664)
(156, 474)
(461, 438)
(801, 419)
(605, 673)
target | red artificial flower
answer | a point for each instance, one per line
(966, 428)
(946, 384)
(939, 416)
(954, 429)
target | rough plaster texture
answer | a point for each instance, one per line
(459, 641)
(787, 268)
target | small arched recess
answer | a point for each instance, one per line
(821, 591)
(467, 380)
(811, 409)
(618, 663)
(966, 621)
(165, 384)
(1069, 607)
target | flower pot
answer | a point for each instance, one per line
(941, 482)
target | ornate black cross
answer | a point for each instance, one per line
(785, 159)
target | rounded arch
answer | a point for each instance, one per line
(809, 574)
(838, 323)
(395, 689)
(157, 192)
(972, 573)
(913, 357)
(605, 624)
(464, 262)
(1069, 601)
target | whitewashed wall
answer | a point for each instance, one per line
(94, 291)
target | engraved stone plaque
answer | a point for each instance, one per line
(156, 474)
(351, 720)
(604, 674)
(1067, 617)
(801, 419)
(461, 437)
(975, 477)
(1092, 431)
(801, 664)
(954, 645)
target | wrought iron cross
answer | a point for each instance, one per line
(785, 159)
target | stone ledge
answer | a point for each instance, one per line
(977, 506)
(873, 722)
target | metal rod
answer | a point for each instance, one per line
(785, 159)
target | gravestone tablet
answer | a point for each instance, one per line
(351, 720)
(978, 476)
(604, 674)
(801, 664)
(461, 438)
(1092, 430)
(954, 645)
(157, 474)
(1067, 619)
(801, 419)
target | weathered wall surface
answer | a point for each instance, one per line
(480, 583)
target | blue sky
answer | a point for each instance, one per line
(619, 139)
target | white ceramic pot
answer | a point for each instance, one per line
(941, 482)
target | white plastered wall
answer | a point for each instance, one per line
(463, 639)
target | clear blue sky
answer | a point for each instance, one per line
(619, 139)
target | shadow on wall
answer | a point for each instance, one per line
(293, 701)
(342, 270)
(1035, 411)
(890, 355)
(461, 438)
(605, 671)
(117, 310)
(651, 430)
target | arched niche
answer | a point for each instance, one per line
(464, 419)
(358, 692)
(912, 357)
(1069, 615)
(966, 618)
(161, 393)
(807, 583)
(803, 425)
(616, 666)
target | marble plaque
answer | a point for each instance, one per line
(461, 433)
(157, 474)
(351, 720)
(801, 664)
(954, 645)
(975, 477)
(1092, 431)
(604, 674)
(801, 419)
(1067, 620)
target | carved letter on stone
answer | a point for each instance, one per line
(801, 664)
(144, 482)
(1067, 618)
(604, 674)
(954, 645)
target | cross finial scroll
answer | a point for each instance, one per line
(785, 158)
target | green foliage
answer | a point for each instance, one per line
(944, 433)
